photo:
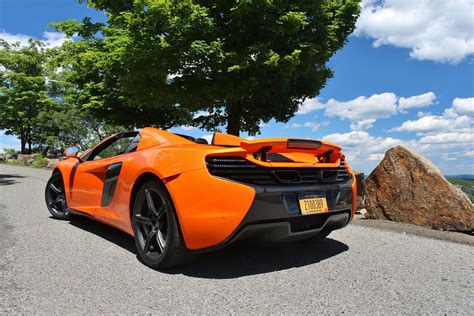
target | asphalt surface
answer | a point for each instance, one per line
(49, 266)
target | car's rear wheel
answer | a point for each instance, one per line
(157, 235)
(55, 197)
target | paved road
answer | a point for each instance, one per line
(81, 266)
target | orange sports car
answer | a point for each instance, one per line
(179, 196)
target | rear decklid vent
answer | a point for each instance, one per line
(241, 170)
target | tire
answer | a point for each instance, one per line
(55, 197)
(157, 234)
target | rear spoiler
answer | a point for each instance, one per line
(325, 152)
(288, 145)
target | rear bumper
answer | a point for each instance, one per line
(212, 211)
(275, 214)
(283, 231)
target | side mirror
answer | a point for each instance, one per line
(71, 152)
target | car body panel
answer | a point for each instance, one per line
(210, 209)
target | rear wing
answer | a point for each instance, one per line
(298, 150)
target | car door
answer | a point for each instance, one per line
(95, 177)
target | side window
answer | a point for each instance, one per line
(118, 147)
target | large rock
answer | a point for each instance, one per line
(360, 189)
(27, 159)
(407, 187)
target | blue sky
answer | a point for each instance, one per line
(405, 77)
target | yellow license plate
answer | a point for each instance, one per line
(313, 204)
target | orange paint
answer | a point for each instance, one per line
(209, 208)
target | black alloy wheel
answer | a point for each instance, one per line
(55, 197)
(156, 230)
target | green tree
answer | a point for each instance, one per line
(67, 122)
(23, 90)
(239, 61)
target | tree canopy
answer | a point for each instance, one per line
(23, 92)
(39, 105)
(206, 63)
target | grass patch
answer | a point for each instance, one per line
(13, 162)
(39, 162)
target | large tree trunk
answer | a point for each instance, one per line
(23, 146)
(234, 115)
(22, 142)
(28, 137)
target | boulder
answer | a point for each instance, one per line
(407, 187)
(27, 159)
(360, 189)
(52, 163)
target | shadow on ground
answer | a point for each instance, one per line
(236, 260)
(245, 259)
(9, 179)
(106, 232)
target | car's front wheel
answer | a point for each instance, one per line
(157, 236)
(55, 197)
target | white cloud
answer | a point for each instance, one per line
(449, 138)
(435, 123)
(201, 113)
(364, 151)
(12, 38)
(417, 101)
(469, 153)
(363, 108)
(54, 39)
(448, 157)
(8, 141)
(187, 127)
(421, 114)
(51, 39)
(363, 141)
(368, 108)
(310, 105)
(437, 30)
(8, 146)
(294, 125)
(313, 126)
(464, 105)
(362, 125)
(208, 138)
(376, 157)
(364, 111)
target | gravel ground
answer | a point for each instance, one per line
(50, 266)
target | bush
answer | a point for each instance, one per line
(39, 162)
(13, 162)
(13, 153)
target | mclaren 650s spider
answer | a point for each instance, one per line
(179, 196)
